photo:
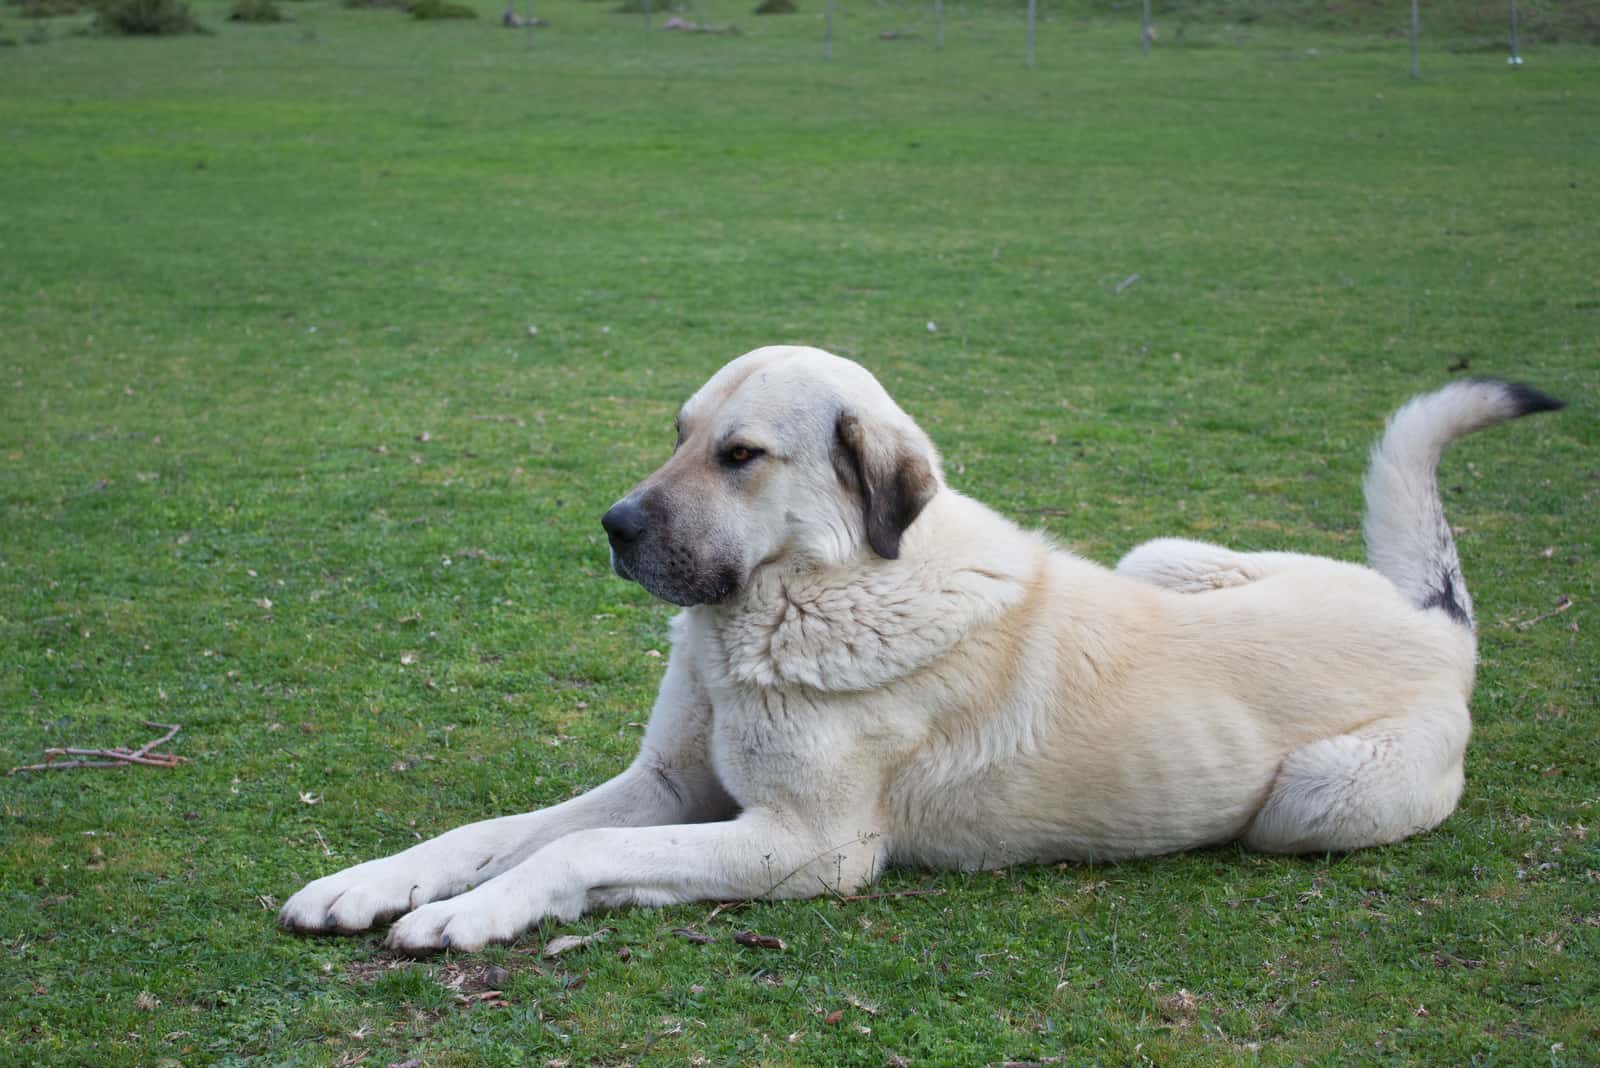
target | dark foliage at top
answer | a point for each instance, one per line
(146, 18)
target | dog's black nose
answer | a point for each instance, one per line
(624, 522)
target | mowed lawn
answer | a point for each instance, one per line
(324, 345)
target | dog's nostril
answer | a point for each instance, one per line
(624, 522)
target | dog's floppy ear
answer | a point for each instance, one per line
(892, 473)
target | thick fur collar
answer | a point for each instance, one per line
(869, 622)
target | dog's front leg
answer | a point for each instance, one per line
(763, 853)
(370, 893)
(671, 782)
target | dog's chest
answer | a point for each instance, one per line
(782, 745)
(819, 684)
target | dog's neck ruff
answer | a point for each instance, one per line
(863, 624)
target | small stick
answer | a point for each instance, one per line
(65, 765)
(1561, 606)
(171, 728)
(725, 906)
(159, 760)
(758, 941)
(113, 758)
(928, 892)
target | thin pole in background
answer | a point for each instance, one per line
(938, 24)
(1416, 28)
(1032, 5)
(1144, 30)
(827, 33)
(1516, 57)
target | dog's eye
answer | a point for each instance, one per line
(739, 455)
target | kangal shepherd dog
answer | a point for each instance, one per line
(873, 669)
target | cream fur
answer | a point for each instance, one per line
(984, 698)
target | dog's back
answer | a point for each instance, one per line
(1201, 694)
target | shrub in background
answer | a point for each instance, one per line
(440, 9)
(255, 11)
(49, 9)
(146, 18)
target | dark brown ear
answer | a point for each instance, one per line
(894, 478)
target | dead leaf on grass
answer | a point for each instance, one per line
(865, 1006)
(567, 943)
(1179, 1008)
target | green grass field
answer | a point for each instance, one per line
(284, 463)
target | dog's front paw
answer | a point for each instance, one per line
(355, 899)
(495, 912)
(456, 924)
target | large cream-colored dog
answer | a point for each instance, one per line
(873, 669)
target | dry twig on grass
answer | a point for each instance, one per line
(758, 941)
(931, 891)
(1563, 603)
(112, 758)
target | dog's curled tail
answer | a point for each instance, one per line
(1408, 539)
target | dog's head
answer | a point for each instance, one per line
(788, 456)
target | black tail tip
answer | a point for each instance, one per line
(1528, 400)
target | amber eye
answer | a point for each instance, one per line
(739, 455)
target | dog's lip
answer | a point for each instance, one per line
(719, 593)
(620, 566)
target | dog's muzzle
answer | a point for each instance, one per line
(644, 550)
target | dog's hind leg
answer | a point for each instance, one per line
(1382, 782)
(1185, 566)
